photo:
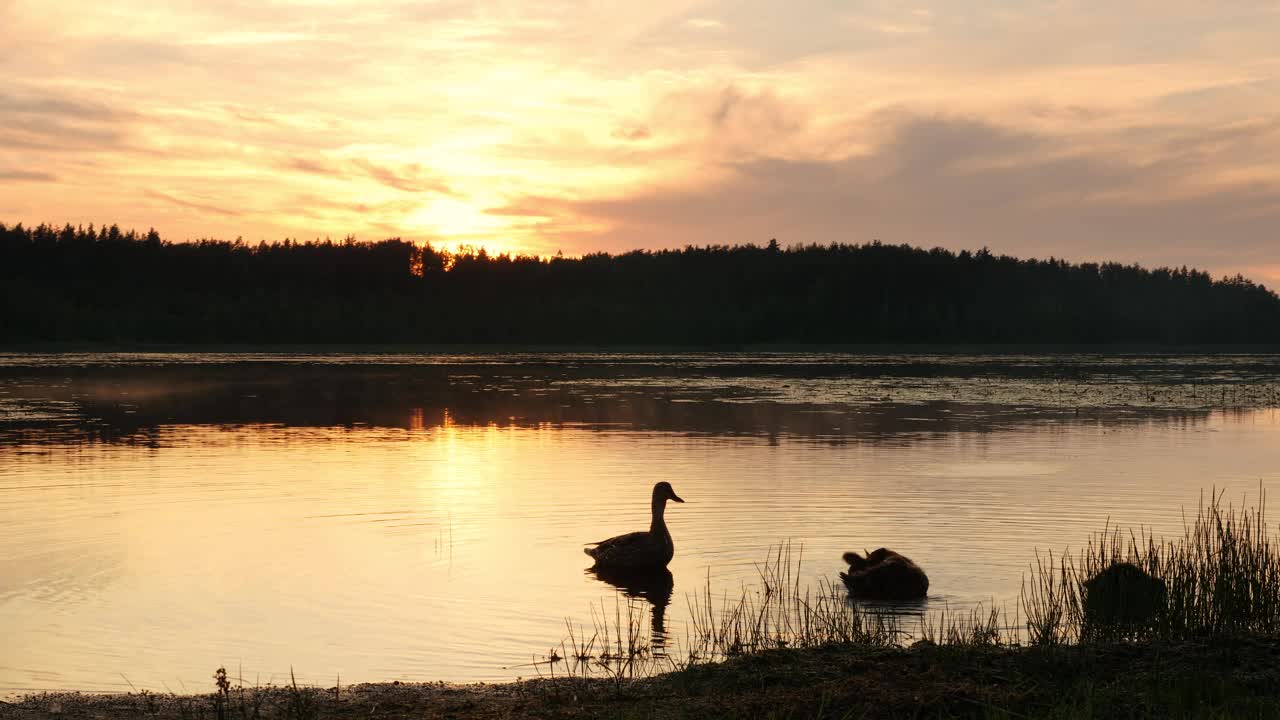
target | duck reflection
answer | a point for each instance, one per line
(654, 585)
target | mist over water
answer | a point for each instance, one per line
(421, 517)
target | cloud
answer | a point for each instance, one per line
(309, 165)
(761, 34)
(410, 178)
(964, 182)
(632, 133)
(27, 176)
(43, 120)
(62, 106)
(702, 23)
(203, 207)
(116, 53)
(250, 37)
(321, 207)
(57, 136)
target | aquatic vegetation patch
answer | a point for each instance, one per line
(1221, 577)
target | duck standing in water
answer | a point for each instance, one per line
(640, 550)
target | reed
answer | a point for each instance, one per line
(978, 627)
(1222, 578)
(780, 612)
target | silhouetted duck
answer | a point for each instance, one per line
(640, 550)
(884, 575)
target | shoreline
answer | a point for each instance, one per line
(1220, 677)
(234, 348)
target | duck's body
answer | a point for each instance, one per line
(640, 550)
(634, 551)
(884, 575)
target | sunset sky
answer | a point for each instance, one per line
(1128, 130)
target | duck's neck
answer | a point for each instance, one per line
(658, 526)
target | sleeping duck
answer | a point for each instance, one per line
(884, 575)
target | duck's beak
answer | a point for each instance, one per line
(676, 497)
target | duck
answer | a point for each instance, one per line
(884, 575)
(640, 551)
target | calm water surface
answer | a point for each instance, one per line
(421, 517)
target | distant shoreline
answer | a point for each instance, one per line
(643, 349)
(76, 285)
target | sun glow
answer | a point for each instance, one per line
(455, 219)
(460, 226)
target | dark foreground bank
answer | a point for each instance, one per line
(1225, 678)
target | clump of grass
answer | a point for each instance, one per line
(236, 701)
(300, 703)
(617, 648)
(1222, 578)
(1050, 601)
(979, 627)
(780, 612)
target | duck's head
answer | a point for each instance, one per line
(663, 491)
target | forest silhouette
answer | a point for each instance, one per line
(75, 284)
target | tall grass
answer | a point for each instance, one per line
(780, 612)
(978, 627)
(1222, 576)
(619, 647)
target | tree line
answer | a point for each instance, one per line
(106, 285)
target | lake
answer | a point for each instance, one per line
(374, 517)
